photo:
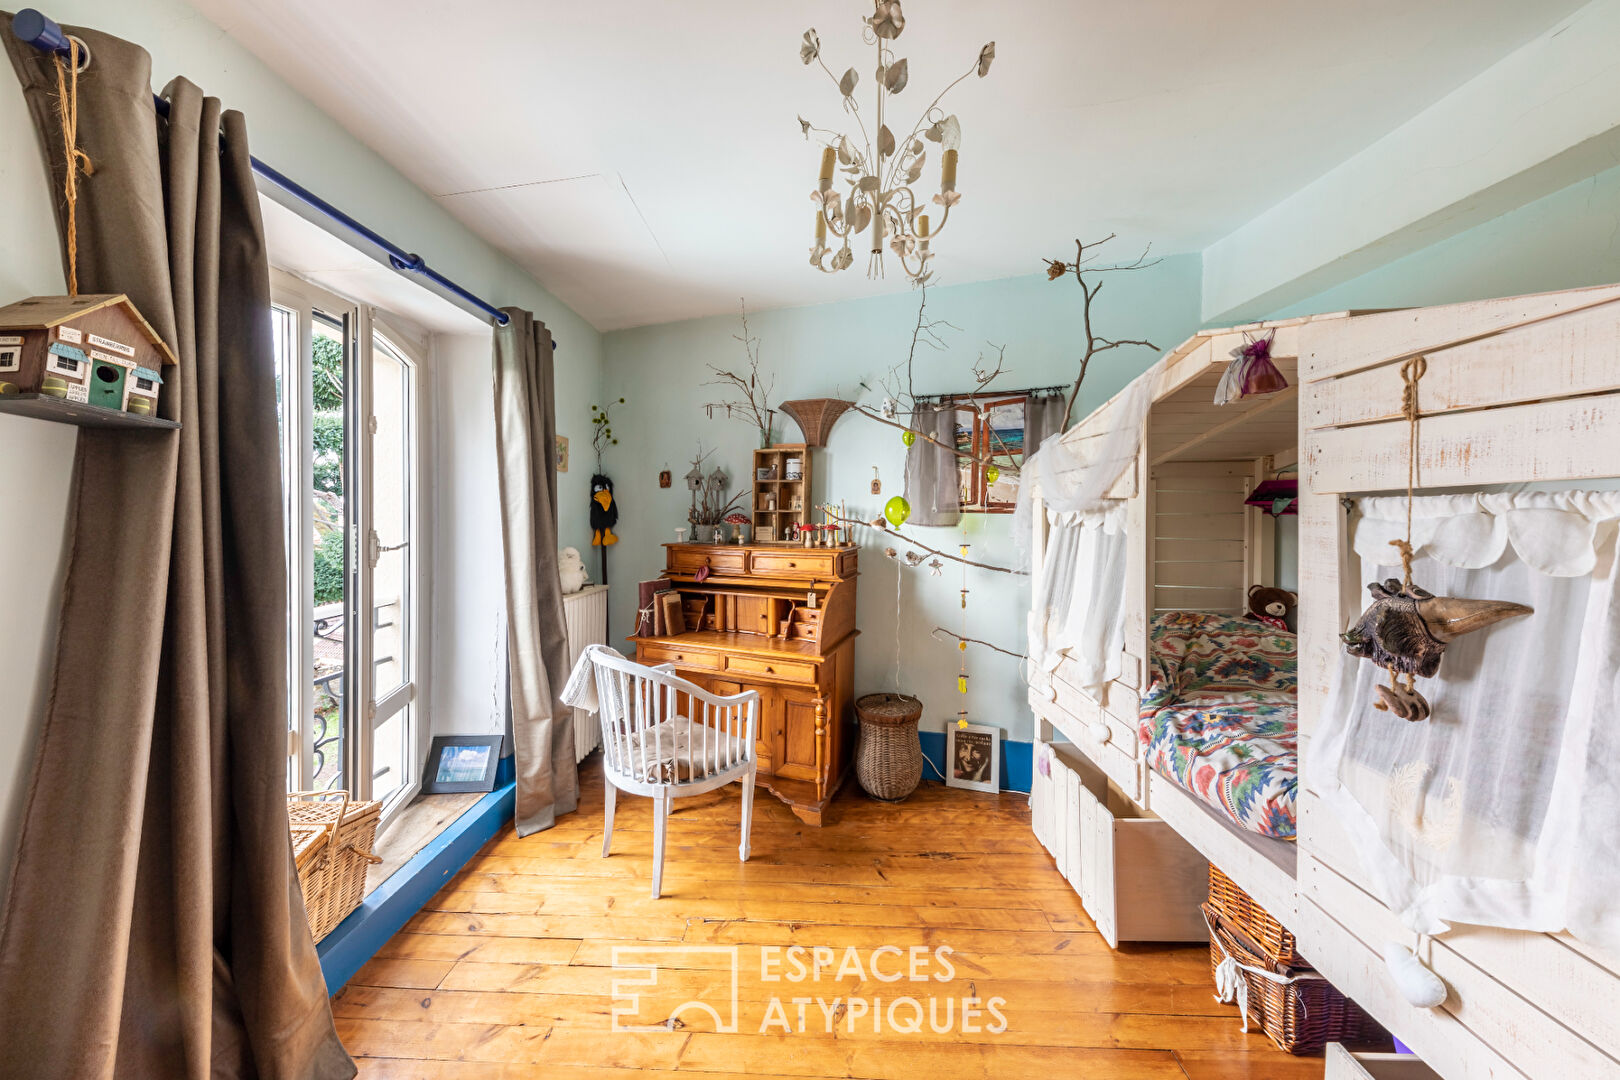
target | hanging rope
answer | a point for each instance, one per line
(67, 105)
(1411, 372)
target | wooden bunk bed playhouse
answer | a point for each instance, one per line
(1518, 392)
(1192, 545)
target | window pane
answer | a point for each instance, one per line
(284, 338)
(330, 535)
(390, 758)
(391, 517)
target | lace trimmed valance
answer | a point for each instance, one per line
(1558, 533)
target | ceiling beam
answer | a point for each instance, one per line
(1543, 117)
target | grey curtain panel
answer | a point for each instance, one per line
(933, 484)
(153, 925)
(1043, 418)
(537, 643)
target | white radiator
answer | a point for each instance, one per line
(585, 613)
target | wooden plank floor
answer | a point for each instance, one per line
(508, 972)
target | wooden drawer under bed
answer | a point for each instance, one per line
(1136, 878)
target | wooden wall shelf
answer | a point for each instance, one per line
(774, 498)
(45, 407)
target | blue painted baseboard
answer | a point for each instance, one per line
(1016, 760)
(381, 915)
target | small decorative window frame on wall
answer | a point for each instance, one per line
(989, 426)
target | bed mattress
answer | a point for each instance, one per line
(1220, 716)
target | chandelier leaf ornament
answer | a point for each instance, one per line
(879, 169)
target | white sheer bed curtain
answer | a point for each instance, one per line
(1503, 809)
(1076, 600)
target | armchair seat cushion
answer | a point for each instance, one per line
(676, 751)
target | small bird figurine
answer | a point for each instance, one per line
(1406, 629)
(604, 512)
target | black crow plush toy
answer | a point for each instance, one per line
(604, 512)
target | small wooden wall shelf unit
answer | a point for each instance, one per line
(781, 621)
(780, 502)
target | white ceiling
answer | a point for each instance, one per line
(643, 161)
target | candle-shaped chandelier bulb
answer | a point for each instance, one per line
(880, 175)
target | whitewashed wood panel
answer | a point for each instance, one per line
(1207, 575)
(1115, 763)
(1325, 609)
(1565, 357)
(1436, 1036)
(1228, 525)
(1543, 969)
(1257, 863)
(1344, 346)
(1342, 1064)
(1519, 1029)
(1219, 601)
(1553, 440)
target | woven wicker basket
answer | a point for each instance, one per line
(332, 843)
(1238, 910)
(888, 756)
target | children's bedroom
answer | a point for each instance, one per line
(819, 539)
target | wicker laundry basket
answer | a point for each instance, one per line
(888, 754)
(332, 839)
(1254, 963)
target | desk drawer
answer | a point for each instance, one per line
(776, 669)
(686, 563)
(665, 654)
(808, 563)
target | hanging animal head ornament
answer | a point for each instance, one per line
(1406, 629)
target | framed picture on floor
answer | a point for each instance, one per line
(973, 754)
(462, 763)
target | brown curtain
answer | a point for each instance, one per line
(153, 925)
(537, 643)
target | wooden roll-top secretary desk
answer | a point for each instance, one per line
(779, 619)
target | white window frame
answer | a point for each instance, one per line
(362, 712)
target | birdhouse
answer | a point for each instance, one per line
(694, 479)
(717, 479)
(94, 349)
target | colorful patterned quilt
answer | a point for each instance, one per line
(1220, 716)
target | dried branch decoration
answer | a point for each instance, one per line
(602, 430)
(1089, 277)
(753, 403)
(900, 398)
(912, 558)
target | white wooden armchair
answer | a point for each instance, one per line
(665, 737)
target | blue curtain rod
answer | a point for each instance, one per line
(47, 36)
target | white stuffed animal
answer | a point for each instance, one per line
(572, 569)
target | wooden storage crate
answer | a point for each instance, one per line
(1137, 879)
(332, 842)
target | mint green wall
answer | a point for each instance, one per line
(1566, 240)
(827, 351)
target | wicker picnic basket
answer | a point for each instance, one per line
(1254, 963)
(888, 754)
(332, 839)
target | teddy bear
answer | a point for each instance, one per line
(571, 568)
(1272, 605)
